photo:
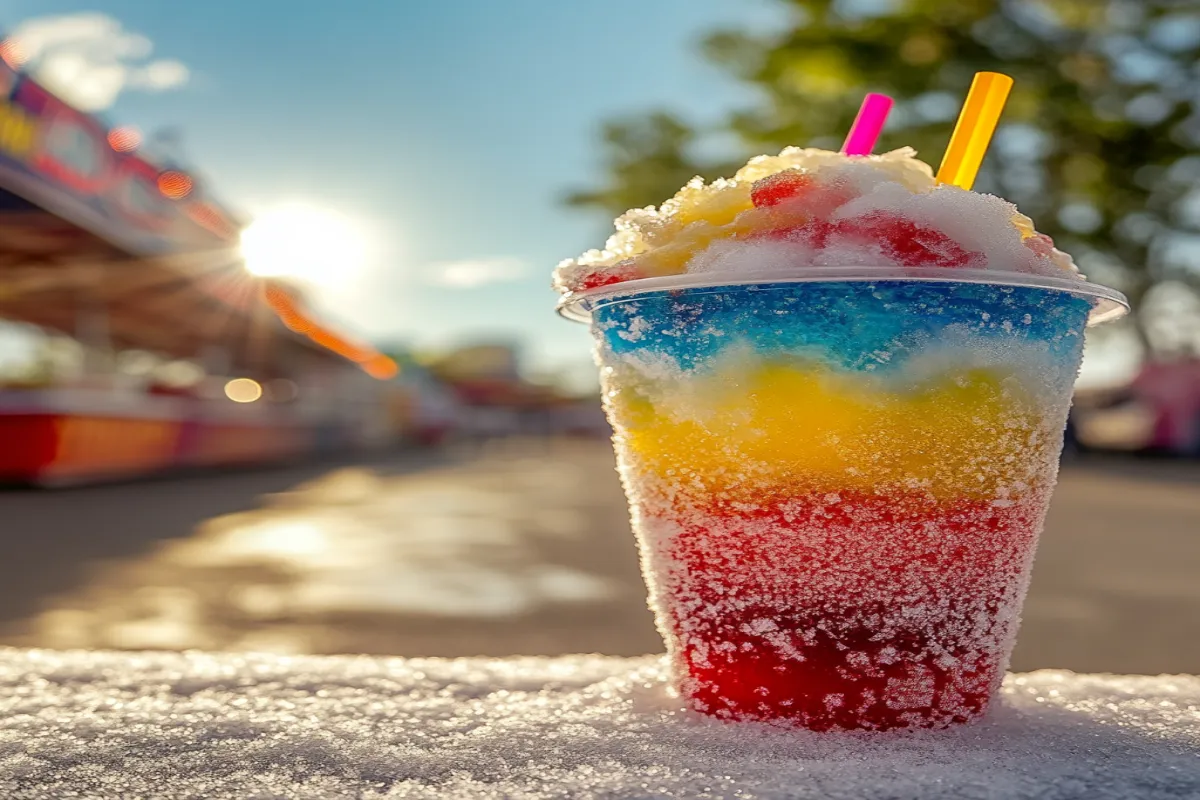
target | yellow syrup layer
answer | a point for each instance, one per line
(786, 428)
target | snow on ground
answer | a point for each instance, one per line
(103, 725)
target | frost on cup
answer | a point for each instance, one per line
(838, 389)
(838, 487)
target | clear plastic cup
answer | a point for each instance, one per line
(838, 480)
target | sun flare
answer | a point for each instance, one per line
(306, 243)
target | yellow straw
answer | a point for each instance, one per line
(974, 129)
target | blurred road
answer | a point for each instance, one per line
(518, 547)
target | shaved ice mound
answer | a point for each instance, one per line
(810, 208)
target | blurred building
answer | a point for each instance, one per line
(426, 410)
(131, 337)
(498, 400)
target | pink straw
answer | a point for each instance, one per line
(867, 125)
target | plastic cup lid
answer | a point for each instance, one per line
(1107, 304)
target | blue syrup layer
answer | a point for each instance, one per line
(853, 325)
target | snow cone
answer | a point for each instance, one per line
(838, 388)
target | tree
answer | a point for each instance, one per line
(1099, 143)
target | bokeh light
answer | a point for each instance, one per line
(175, 184)
(282, 390)
(13, 53)
(243, 390)
(125, 139)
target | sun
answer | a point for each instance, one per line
(305, 243)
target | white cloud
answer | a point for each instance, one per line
(470, 273)
(160, 75)
(88, 59)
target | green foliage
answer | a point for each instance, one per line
(1100, 141)
(645, 155)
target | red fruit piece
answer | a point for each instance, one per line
(774, 189)
(812, 233)
(618, 273)
(908, 242)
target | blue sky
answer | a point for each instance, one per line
(450, 128)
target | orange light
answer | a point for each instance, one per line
(13, 54)
(174, 184)
(381, 368)
(125, 139)
(373, 363)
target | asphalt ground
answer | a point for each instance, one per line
(512, 547)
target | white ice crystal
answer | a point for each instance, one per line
(715, 229)
(105, 725)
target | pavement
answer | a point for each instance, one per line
(515, 547)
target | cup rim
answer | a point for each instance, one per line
(1107, 304)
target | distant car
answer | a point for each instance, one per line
(1159, 410)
